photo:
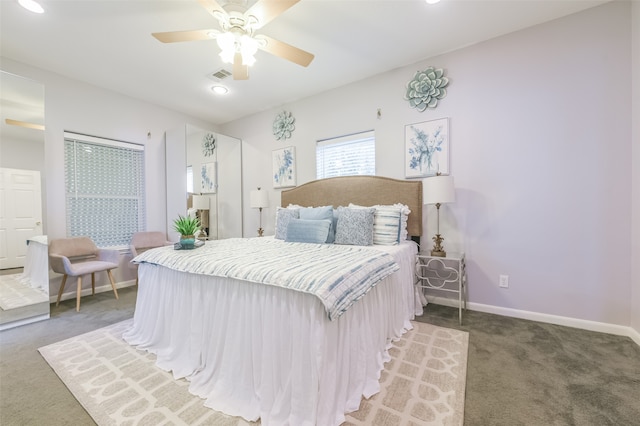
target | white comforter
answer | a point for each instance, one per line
(338, 275)
(267, 352)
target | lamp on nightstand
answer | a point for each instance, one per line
(259, 199)
(201, 204)
(438, 190)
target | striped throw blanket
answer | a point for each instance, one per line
(338, 275)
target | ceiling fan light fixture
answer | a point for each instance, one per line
(248, 48)
(227, 44)
(31, 5)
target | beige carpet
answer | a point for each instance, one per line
(15, 292)
(423, 384)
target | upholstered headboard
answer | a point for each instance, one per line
(361, 190)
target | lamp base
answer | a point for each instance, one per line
(202, 235)
(260, 232)
(438, 250)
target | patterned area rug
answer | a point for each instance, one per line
(423, 384)
(15, 292)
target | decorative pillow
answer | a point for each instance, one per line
(308, 231)
(283, 216)
(386, 224)
(355, 226)
(404, 211)
(320, 213)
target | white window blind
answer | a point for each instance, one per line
(104, 182)
(346, 155)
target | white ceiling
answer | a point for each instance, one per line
(108, 43)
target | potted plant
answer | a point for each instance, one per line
(187, 227)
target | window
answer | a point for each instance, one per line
(347, 155)
(104, 182)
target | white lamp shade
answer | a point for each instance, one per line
(200, 202)
(438, 189)
(259, 199)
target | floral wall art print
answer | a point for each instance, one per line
(427, 148)
(208, 178)
(284, 167)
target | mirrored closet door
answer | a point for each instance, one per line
(24, 266)
(204, 175)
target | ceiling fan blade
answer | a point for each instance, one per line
(240, 71)
(285, 51)
(266, 10)
(212, 7)
(24, 124)
(177, 36)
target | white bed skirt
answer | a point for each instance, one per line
(259, 351)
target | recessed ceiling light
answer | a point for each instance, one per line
(432, 1)
(31, 5)
(220, 90)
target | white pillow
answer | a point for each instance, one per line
(404, 211)
(389, 224)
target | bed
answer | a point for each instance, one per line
(280, 354)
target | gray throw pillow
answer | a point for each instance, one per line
(283, 217)
(355, 226)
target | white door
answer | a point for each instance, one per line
(20, 214)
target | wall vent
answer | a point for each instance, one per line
(221, 74)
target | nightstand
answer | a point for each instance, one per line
(444, 274)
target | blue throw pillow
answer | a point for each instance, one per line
(307, 231)
(320, 213)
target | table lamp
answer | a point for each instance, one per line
(438, 190)
(259, 199)
(201, 204)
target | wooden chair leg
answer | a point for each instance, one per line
(113, 283)
(78, 293)
(64, 281)
(93, 283)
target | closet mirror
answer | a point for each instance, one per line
(24, 266)
(204, 178)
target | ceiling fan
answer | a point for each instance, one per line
(26, 124)
(237, 40)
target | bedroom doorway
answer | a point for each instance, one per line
(21, 216)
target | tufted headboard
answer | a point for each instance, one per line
(361, 190)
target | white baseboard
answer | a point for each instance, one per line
(87, 291)
(601, 327)
(12, 324)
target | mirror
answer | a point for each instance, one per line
(202, 147)
(204, 170)
(24, 266)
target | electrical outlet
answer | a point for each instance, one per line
(504, 281)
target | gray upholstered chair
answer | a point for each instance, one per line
(80, 256)
(143, 241)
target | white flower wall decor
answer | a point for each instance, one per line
(426, 88)
(283, 125)
(208, 144)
